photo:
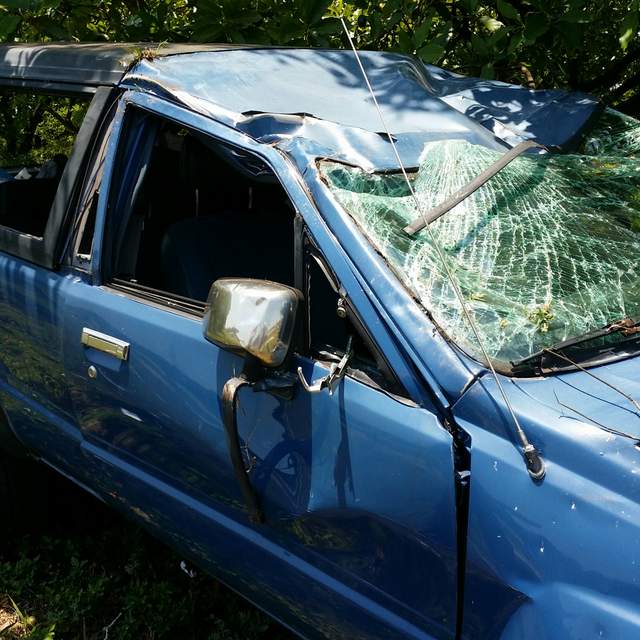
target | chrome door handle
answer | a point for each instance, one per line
(102, 342)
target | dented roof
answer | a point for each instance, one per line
(318, 96)
(313, 99)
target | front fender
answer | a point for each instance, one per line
(585, 614)
(559, 559)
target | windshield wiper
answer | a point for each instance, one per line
(462, 194)
(626, 326)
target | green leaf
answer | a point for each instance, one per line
(573, 34)
(479, 45)
(28, 5)
(17, 4)
(515, 43)
(50, 27)
(329, 26)
(491, 24)
(421, 33)
(313, 10)
(8, 25)
(405, 42)
(535, 25)
(508, 10)
(133, 21)
(628, 29)
(236, 37)
(487, 72)
(497, 36)
(577, 16)
(431, 52)
(390, 6)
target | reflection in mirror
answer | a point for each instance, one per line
(256, 317)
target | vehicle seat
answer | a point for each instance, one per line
(197, 251)
(25, 204)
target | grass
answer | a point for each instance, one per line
(90, 575)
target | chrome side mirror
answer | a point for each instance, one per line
(254, 317)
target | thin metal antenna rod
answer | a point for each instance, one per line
(535, 464)
(633, 401)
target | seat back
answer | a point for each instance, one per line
(197, 251)
(25, 204)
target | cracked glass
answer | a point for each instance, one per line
(548, 249)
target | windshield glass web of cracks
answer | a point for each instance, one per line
(547, 250)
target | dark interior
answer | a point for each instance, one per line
(202, 214)
(25, 204)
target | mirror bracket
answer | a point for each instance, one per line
(336, 373)
(281, 384)
(229, 408)
(278, 383)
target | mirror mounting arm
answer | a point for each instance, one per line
(281, 384)
(336, 373)
(229, 407)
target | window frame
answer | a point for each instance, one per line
(88, 194)
(306, 220)
(310, 251)
(100, 256)
(47, 251)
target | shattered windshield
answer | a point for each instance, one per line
(546, 250)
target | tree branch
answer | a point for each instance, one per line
(611, 75)
(631, 106)
(630, 83)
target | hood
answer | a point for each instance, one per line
(605, 401)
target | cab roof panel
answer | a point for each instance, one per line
(319, 96)
(314, 97)
(85, 66)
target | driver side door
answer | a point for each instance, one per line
(357, 486)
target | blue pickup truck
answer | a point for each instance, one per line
(376, 374)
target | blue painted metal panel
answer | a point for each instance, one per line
(267, 574)
(357, 484)
(559, 559)
(278, 94)
(33, 390)
(358, 487)
(376, 317)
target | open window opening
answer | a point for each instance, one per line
(190, 210)
(37, 133)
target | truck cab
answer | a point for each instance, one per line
(204, 327)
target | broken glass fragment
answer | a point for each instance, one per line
(548, 249)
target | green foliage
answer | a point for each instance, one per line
(34, 128)
(541, 317)
(68, 584)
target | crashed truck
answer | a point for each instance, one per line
(369, 357)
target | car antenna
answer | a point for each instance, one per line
(632, 400)
(535, 463)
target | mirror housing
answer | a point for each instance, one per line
(252, 317)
